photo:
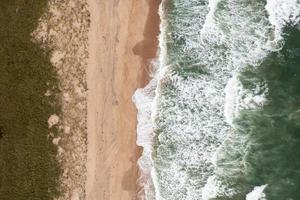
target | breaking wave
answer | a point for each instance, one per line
(209, 76)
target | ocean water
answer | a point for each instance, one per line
(220, 119)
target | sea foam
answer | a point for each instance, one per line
(239, 98)
(283, 12)
(186, 116)
(145, 101)
(257, 193)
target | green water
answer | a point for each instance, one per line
(28, 168)
(218, 137)
(266, 147)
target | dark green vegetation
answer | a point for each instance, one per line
(28, 168)
(266, 148)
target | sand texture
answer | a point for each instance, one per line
(64, 29)
(122, 41)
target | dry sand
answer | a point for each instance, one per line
(122, 40)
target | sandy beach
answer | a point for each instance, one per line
(122, 41)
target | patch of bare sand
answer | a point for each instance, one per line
(122, 41)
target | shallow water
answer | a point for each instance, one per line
(222, 121)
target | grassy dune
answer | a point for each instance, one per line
(28, 168)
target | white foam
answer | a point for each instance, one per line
(210, 29)
(231, 108)
(213, 188)
(257, 193)
(196, 118)
(143, 99)
(238, 98)
(210, 190)
(283, 12)
(195, 111)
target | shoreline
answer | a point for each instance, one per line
(122, 41)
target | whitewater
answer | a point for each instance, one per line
(198, 117)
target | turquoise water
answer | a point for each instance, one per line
(225, 115)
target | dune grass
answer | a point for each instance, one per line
(28, 168)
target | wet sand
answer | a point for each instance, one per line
(122, 41)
